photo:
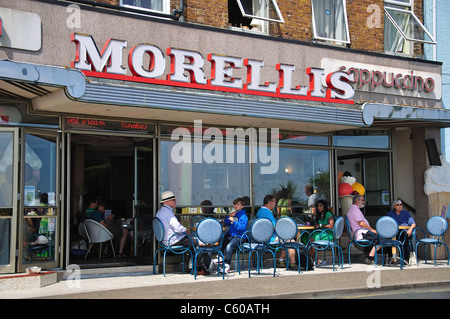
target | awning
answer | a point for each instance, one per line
(386, 115)
(27, 80)
(65, 90)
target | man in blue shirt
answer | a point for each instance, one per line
(403, 218)
(265, 211)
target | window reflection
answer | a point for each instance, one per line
(40, 170)
(202, 178)
(6, 169)
(362, 139)
(156, 5)
(297, 168)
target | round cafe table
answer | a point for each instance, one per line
(303, 227)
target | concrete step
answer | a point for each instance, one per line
(27, 281)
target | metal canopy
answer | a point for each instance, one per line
(28, 80)
(67, 90)
(386, 115)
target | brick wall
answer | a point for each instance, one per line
(366, 24)
(213, 13)
(297, 16)
(365, 20)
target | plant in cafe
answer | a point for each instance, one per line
(321, 182)
(292, 188)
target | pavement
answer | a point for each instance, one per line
(139, 282)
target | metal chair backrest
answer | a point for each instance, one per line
(96, 232)
(158, 229)
(286, 228)
(262, 230)
(209, 231)
(250, 223)
(349, 228)
(437, 225)
(387, 227)
(338, 228)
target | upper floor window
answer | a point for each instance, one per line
(402, 27)
(253, 14)
(329, 21)
(152, 5)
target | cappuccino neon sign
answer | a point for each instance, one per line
(186, 70)
(389, 80)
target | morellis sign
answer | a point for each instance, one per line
(186, 70)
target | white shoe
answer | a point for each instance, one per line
(227, 268)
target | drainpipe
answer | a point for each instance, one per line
(178, 13)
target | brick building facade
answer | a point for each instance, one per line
(365, 20)
(93, 93)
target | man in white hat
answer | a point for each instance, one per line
(173, 227)
(171, 224)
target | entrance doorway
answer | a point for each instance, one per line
(119, 172)
(372, 170)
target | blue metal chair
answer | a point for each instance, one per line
(209, 240)
(257, 240)
(322, 244)
(241, 250)
(436, 227)
(286, 229)
(387, 230)
(353, 240)
(158, 230)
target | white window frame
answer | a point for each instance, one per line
(319, 37)
(399, 3)
(165, 5)
(400, 30)
(274, 3)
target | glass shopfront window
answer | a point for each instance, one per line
(212, 171)
(362, 139)
(297, 168)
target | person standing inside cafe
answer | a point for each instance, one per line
(403, 218)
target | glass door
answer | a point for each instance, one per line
(9, 141)
(40, 205)
(144, 199)
(372, 170)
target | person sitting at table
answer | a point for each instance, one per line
(403, 218)
(284, 203)
(206, 210)
(266, 211)
(174, 232)
(357, 220)
(324, 224)
(237, 221)
(115, 228)
(93, 213)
